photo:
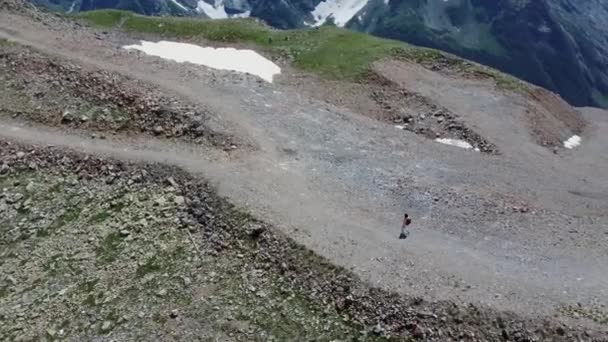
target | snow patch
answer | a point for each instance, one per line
(71, 9)
(573, 142)
(180, 5)
(246, 61)
(245, 14)
(340, 10)
(218, 10)
(455, 142)
(215, 11)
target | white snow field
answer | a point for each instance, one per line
(340, 10)
(218, 10)
(455, 142)
(180, 5)
(245, 61)
(573, 142)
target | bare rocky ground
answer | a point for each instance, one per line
(502, 235)
(55, 92)
(379, 97)
(416, 97)
(96, 248)
(93, 248)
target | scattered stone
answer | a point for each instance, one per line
(66, 117)
(261, 294)
(160, 201)
(256, 230)
(106, 326)
(179, 200)
(158, 130)
(418, 332)
(52, 333)
(174, 313)
(11, 280)
(14, 199)
(172, 182)
(378, 329)
(143, 223)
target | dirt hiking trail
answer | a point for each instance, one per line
(524, 230)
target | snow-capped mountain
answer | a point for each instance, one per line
(222, 9)
(339, 11)
(559, 44)
(214, 9)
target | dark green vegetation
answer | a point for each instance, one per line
(328, 51)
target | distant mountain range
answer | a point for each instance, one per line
(561, 45)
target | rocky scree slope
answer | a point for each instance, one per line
(247, 260)
(557, 44)
(59, 93)
(190, 265)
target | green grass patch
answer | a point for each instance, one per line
(56, 188)
(328, 51)
(110, 248)
(429, 57)
(100, 217)
(5, 42)
(163, 261)
(93, 299)
(53, 265)
(3, 291)
(87, 286)
(70, 215)
(105, 18)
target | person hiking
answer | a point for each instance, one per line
(406, 222)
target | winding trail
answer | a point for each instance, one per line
(338, 182)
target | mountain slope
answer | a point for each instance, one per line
(522, 230)
(557, 44)
(530, 39)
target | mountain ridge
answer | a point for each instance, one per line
(550, 43)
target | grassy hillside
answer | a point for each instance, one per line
(329, 51)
